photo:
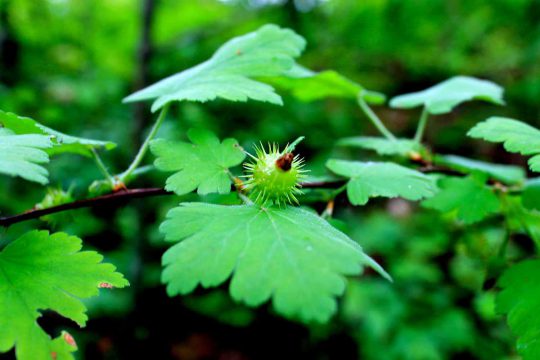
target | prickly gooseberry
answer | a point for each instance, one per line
(275, 176)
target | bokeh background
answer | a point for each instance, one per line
(69, 63)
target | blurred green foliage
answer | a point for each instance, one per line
(69, 63)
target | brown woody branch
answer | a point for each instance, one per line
(91, 202)
(128, 194)
(116, 197)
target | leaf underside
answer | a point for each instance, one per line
(288, 254)
(372, 179)
(506, 173)
(308, 85)
(229, 73)
(61, 143)
(22, 155)
(515, 135)
(40, 272)
(202, 165)
(520, 300)
(445, 96)
(383, 146)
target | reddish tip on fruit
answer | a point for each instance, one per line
(285, 161)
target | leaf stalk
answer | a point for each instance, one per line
(144, 147)
(421, 126)
(102, 167)
(374, 118)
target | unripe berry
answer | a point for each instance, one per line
(274, 176)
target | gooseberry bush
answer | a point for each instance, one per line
(269, 243)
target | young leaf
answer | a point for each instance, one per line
(62, 143)
(40, 272)
(506, 173)
(288, 254)
(531, 194)
(372, 179)
(469, 196)
(383, 146)
(308, 85)
(21, 155)
(520, 300)
(202, 165)
(267, 52)
(515, 135)
(445, 96)
(521, 216)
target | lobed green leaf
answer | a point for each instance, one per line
(445, 96)
(469, 197)
(40, 272)
(288, 254)
(22, 155)
(202, 165)
(515, 135)
(520, 300)
(229, 73)
(62, 143)
(372, 179)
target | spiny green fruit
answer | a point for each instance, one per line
(275, 176)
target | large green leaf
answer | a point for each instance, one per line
(468, 196)
(445, 96)
(62, 143)
(520, 300)
(383, 146)
(40, 272)
(267, 52)
(288, 254)
(21, 155)
(202, 165)
(506, 173)
(372, 179)
(515, 135)
(308, 85)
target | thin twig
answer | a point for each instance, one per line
(115, 197)
(91, 202)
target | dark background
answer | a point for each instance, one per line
(69, 63)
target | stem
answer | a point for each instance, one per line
(339, 190)
(374, 118)
(421, 126)
(102, 167)
(91, 202)
(144, 148)
(329, 210)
